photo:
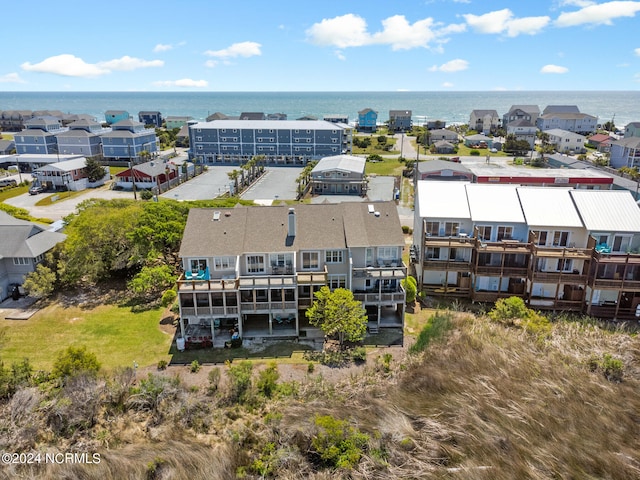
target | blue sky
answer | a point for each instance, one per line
(329, 45)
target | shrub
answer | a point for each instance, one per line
(240, 381)
(168, 297)
(311, 367)
(406, 229)
(268, 380)
(508, 309)
(475, 153)
(337, 444)
(214, 380)
(195, 366)
(146, 195)
(162, 365)
(74, 361)
(612, 368)
(359, 354)
(411, 288)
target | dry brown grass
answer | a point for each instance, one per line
(484, 402)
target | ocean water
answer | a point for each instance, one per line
(621, 106)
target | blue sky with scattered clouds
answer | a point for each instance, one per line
(330, 45)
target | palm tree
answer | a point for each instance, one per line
(233, 175)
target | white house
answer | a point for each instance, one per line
(566, 141)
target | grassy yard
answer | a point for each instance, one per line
(117, 336)
(388, 166)
(54, 197)
(13, 192)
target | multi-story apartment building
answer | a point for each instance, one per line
(39, 135)
(151, 117)
(280, 141)
(82, 138)
(255, 269)
(567, 117)
(558, 248)
(528, 113)
(127, 140)
(339, 175)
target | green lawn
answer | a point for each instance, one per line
(117, 336)
(388, 166)
(13, 192)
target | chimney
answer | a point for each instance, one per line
(292, 223)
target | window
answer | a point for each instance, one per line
(542, 237)
(601, 238)
(39, 258)
(451, 229)
(337, 281)
(621, 243)
(484, 232)
(368, 256)
(333, 256)
(310, 260)
(432, 229)
(564, 265)
(224, 263)
(21, 261)
(255, 263)
(387, 253)
(198, 264)
(432, 253)
(281, 260)
(504, 233)
(560, 239)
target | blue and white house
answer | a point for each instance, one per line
(127, 139)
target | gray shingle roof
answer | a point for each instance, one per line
(21, 238)
(265, 229)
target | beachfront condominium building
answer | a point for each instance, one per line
(39, 136)
(339, 175)
(127, 140)
(558, 248)
(567, 117)
(286, 142)
(82, 138)
(400, 120)
(255, 269)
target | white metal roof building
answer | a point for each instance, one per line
(607, 211)
(549, 207)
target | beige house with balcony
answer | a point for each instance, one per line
(253, 271)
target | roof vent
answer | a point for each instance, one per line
(216, 216)
(377, 214)
(371, 209)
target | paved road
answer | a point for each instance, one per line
(211, 184)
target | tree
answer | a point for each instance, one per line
(75, 361)
(152, 280)
(514, 146)
(41, 282)
(338, 313)
(411, 288)
(95, 171)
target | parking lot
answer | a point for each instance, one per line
(211, 184)
(276, 183)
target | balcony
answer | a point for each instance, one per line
(209, 284)
(501, 271)
(447, 265)
(459, 241)
(262, 307)
(615, 283)
(384, 297)
(394, 269)
(312, 278)
(266, 281)
(208, 311)
(562, 252)
(438, 290)
(558, 277)
(504, 246)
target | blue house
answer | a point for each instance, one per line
(127, 140)
(150, 118)
(367, 120)
(39, 136)
(82, 138)
(114, 116)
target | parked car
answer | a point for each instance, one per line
(8, 182)
(36, 189)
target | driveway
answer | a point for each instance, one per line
(211, 184)
(275, 183)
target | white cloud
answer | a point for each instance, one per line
(351, 30)
(451, 66)
(553, 69)
(69, 65)
(576, 3)
(346, 31)
(128, 64)
(503, 21)
(340, 55)
(242, 49)
(66, 65)
(602, 14)
(11, 78)
(637, 51)
(183, 82)
(162, 48)
(447, 85)
(211, 63)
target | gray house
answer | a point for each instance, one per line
(339, 175)
(23, 246)
(82, 138)
(400, 120)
